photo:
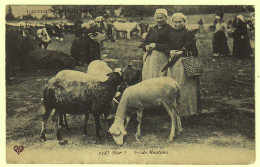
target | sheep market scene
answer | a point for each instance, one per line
(130, 84)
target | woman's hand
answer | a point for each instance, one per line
(175, 52)
(147, 48)
(150, 47)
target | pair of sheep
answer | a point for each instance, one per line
(79, 97)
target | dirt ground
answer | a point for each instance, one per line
(223, 135)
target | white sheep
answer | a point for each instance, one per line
(97, 69)
(149, 93)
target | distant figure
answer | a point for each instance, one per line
(241, 45)
(101, 27)
(77, 46)
(230, 29)
(200, 23)
(78, 28)
(95, 48)
(143, 26)
(58, 29)
(213, 28)
(230, 24)
(44, 38)
(220, 46)
(250, 25)
(110, 30)
(220, 13)
(100, 24)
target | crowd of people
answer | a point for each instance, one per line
(238, 30)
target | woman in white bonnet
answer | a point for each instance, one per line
(219, 43)
(181, 37)
(241, 45)
(157, 46)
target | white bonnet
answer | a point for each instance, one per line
(99, 18)
(179, 15)
(241, 18)
(161, 11)
(91, 22)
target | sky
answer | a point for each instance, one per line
(20, 10)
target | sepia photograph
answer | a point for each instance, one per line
(130, 84)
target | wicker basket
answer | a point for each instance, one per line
(99, 37)
(192, 66)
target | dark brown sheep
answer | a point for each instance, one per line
(74, 97)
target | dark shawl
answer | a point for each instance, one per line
(184, 38)
(159, 36)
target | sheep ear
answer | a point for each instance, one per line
(124, 132)
(114, 131)
(111, 116)
(122, 129)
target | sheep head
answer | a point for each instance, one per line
(115, 77)
(117, 130)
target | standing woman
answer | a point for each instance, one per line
(43, 37)
(77, 47)
(157, 46)
(220, 45)
(241, 46)
(95, 50)
(189, 86)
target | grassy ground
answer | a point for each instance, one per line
(228, 128)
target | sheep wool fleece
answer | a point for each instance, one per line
(70, 95)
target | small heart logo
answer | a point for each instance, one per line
(18, 149)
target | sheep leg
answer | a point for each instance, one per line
(61, 120)
(127, 121)
(108, 124)
(66, 123)
(139, 119)
(85, 131)
(172, 116)
(178, 119)
(98, 127)
(128, 34)
(55, 120)
(44, 122)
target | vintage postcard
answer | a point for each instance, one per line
(117, 83)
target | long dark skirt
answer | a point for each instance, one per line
(241, 48)
(95, 52)
(81, 50)
(75, 49)
(220, 43)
